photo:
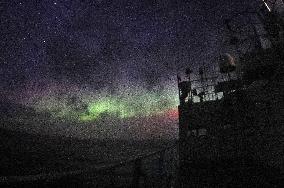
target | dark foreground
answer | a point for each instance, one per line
(229, 172)
(42, 161)
(27, 154)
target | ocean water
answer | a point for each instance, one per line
(29, 154)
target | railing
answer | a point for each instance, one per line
(155, 169)
(207, 87)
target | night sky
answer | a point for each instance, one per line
(87, 57)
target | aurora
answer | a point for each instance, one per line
(143, 105)
(87, 106)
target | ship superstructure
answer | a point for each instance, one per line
(231, 122)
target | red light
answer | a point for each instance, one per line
(172, 113)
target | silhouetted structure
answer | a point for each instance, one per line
(184, 88)
(231, 128)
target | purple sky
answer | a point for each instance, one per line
(96, 43)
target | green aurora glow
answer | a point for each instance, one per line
(94, 106)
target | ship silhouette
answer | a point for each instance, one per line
(231, 122)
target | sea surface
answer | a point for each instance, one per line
(29, 154)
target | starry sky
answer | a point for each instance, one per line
(99, 42)
(107, 54)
